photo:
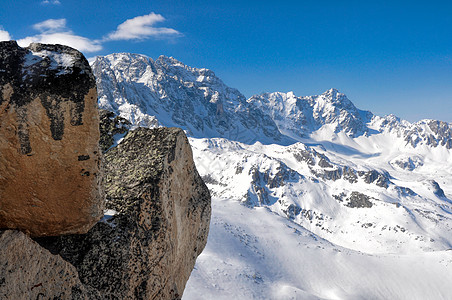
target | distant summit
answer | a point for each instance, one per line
(167, 92)
(300, 116)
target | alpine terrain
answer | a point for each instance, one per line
(312, 198)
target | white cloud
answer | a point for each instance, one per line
(54, 31)
(4, 35)
(51, 25)
(55, 2)
(65, 38)
(141, 27)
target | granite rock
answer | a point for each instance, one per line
(156, 226)
(50, 164)
(28, 271)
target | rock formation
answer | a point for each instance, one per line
(158, 220)
(158, 213)
(28, 271)
(49, 155)
(146, 245)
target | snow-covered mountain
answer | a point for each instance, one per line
(145, 92)
(366, 188)
(300, 116)
(169, 93)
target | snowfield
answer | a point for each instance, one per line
(255, 254)
(312, 198)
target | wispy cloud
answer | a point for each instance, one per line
(51, 25)
(54, 2)
(54, 31)
(141, 27)
(4, 35)
(65, 38)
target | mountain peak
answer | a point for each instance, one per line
(169, 60)
(144, 91)
(332, 91)
(166, 91)
(334, 94)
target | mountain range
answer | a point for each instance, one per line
(307, 179)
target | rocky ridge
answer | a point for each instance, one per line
(300, 116)
(164, 91)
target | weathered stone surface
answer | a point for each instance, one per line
(49, 132)
(28, 271)
(148, 249)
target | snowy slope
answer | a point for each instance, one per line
(348, 202)
(251, 254)
(354, 188)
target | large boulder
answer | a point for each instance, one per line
(157, 224)
(50, 175)
(28, 271)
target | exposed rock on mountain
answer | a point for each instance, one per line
(149, 92)
(156, 226)
(28, 271)
(407, 162)
(430, 132)
(300, 116)
(359, 200)
(437, 190)
(49, 155)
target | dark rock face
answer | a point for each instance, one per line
(148, 248)
(49, 138)
(359, 200)
(332, 171)
(373, 176)
(264, 180)
(55, 74)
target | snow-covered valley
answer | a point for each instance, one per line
(312, 197)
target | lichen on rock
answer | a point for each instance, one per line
(158, 223)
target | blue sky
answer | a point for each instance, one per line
(386, 56)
